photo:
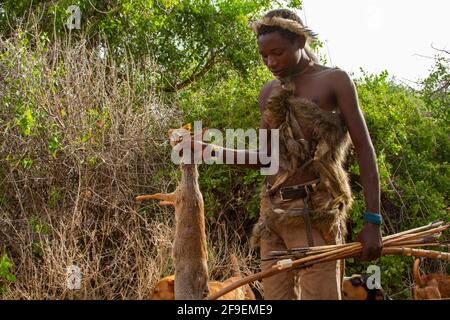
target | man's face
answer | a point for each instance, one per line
(279, 54)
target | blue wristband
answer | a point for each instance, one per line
(373, 218)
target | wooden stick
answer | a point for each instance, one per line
(430, 254)
(405, 237)
(431, 225)
(391, 246)
(301, 252)
(416, 235)
(274, 270)
(313, 253)
(346, 253)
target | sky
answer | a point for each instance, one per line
(378, 35)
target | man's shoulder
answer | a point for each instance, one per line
(267, 87)
(343, 84)
(334, 73)
(335, 78)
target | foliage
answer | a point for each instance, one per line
(230, 103)
(410, 135)
(412, 149)
(436, 88)
(186, 38)
(5, 273)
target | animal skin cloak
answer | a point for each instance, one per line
(324, 154)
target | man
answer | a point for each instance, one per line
(306, 202)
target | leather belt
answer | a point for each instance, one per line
(298, 191)
(301, 192)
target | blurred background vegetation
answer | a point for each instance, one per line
(83, 121)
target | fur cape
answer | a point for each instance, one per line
(324, 154)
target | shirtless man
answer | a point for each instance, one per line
(306, 202)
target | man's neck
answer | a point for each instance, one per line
(302, 65)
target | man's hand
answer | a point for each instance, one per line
(193, 144)
(370, 237)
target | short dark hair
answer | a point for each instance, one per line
(285, 14)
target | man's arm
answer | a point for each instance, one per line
(347, 100)
(264, 146)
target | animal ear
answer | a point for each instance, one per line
(188, 127)
(356, 280)
(379, 295)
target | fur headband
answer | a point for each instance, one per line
(286, 24)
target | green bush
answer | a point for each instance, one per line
(5, 273)
(412, 146)
(230, 103)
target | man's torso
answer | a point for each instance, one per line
(317, 87)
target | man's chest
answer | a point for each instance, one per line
(320, 93)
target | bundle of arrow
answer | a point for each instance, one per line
(404, 243)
